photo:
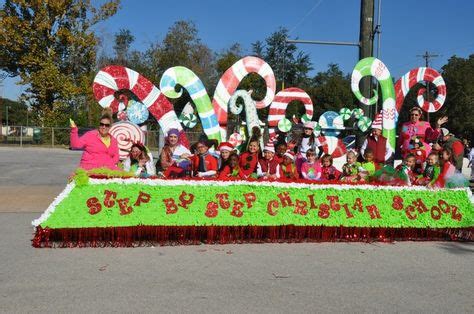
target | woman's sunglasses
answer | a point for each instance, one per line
(107, 125)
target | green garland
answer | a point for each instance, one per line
(380, 207)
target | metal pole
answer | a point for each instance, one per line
(52, 137)
(21, 136)
(366, 46)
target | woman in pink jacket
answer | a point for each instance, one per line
(100, 148)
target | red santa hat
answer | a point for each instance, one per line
(269, 147)
(289, 154)
(226, 146)
(377, 124)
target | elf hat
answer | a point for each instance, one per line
(377, 124)
(225, 146)
(269, 147)
(289, 154)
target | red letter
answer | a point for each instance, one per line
(420, 206)
(358, 205)
(237, 209)
(285, 199)
(334, 202)
(142, 198)
(272, 204)
(397, 203)
(435, 213)
(323, 211)
(300, 208)
(348, 212)
(183, 201)
(444, 206)
(171, 207)
(408, 211)
(454, 213)
(211, 211)
(311, 202)
(94, 205)
(250, 198)
(123, 205)
(223, 200)
(373, 211)
(109, 198)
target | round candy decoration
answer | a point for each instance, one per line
(357, 113)
(137, 112)
(284, 125)
(236, 139)
(122, 116)
(331, 123)
(189, 120)
(364, 123)
(126, 134)
(345, 113)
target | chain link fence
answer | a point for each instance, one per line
(59, 137)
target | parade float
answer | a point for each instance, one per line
(107, 209)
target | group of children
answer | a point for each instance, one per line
(282, 161)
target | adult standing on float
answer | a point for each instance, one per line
(421, 129)
(100, 148)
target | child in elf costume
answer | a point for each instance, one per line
(405, 170)
(249, 159)
(351, 169)
(447, 169)
(328, 171)
(204, 164)
(368, 167)
(419, 152)
(268, 167)
(311, 168)
(431, 172)
(288, 168)
(232, 169)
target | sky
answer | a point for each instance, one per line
(409, 28)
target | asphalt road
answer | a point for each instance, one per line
(326, 277)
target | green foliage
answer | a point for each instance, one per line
(81, 178)
(458, 74)
(331, 90)
(51, 46)
(17, 112)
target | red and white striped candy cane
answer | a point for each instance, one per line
(231, 79)
(280, 103)
(113, 78)
(332, 146)
(410, 79)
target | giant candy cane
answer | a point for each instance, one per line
(231, 80)
(280, 103)
(191, 82)
(374, 67)
(410, 79)
(115, 78)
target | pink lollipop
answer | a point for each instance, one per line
(126, 134)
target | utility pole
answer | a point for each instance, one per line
(427, 56)
(366, 39)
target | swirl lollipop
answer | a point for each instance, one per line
(126, 133)
(345, 113)
(189, 120)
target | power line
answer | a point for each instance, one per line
(428, 56)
